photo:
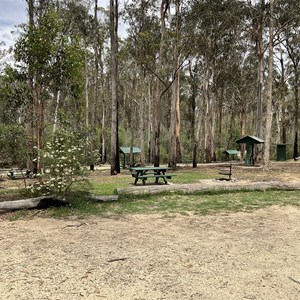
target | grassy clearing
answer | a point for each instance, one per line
(201, 203)
(107, 185)
(175, 203)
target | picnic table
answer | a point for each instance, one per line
(143, 173)
(19, 174)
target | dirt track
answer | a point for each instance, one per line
(235, 256)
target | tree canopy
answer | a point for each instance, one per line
(186, 80)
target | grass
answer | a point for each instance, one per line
(176, 203)
(107, 184)
(200, 203)
(12, 194)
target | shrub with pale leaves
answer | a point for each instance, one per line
(62, 159)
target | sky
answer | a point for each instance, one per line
(12, 13)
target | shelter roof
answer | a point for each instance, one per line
(250, 139)
(231, 152)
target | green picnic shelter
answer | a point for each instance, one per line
(250, 141)
(126, 151)
(231, 152)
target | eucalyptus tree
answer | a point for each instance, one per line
(215, 26)
(114, 154)
(142, 43)
(270, 88)
(289, 23)
(35, 49)
(193, 111)
(51, 57)
(177, 40)
(159, 89)
(255, 25)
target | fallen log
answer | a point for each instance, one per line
(30, 203)
(107, 198)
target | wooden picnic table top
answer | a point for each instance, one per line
(141, 173)
(138, 169)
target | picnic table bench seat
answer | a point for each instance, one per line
(168, 176)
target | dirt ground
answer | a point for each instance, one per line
(254, 255)
(225, 256)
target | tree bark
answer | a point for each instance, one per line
(115, 162)
(208, 112)
(269, 91)
(158, 93)
(31, 108)
(142, 117)
(260, 79)
(174, 142)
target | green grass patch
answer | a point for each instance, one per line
(166, 203)
(192, 176)
(107, 185)
(178, 203)
(12, 194)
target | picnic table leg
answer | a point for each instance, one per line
(144, 179)
(165, 179)
(156, 179)
(136, 178)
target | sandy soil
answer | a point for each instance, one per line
(226, 256)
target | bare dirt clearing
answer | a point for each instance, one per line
(235, 256)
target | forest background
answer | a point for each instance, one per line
(186, 81)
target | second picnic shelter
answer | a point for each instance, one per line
(250, 141)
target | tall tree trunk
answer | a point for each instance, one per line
(174, 143)
(296, 95)
(281, 137)
(40, 113)
(94, 104)
(142, 102)
(158, 92)
(208, 113)
(115, 162)
(142, 117)
(150, 117)
(260, 79)
(195, 118)
(86, 94)
(103, 109)
(30, 128)
(132, 117)
(243, 121)
(269, 91)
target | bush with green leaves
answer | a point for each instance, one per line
(13, 147)
(62, 160)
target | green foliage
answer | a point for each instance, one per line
(63, 159)
(54, 58)
(12, 146)
(13, 96)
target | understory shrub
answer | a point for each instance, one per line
(62, 159)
